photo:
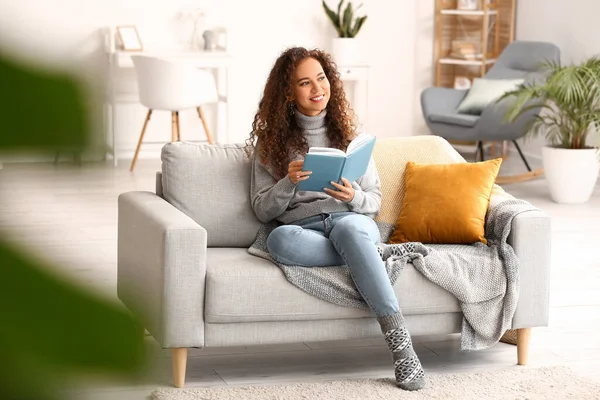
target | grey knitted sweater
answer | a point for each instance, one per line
(274, 199)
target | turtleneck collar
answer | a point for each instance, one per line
(307, 123)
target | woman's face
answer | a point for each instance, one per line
(310, 87)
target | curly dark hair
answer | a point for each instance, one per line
(275, 125)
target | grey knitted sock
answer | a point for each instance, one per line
(407, 367)
(381, 249)
(398, 250)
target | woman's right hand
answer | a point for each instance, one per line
(295, 172)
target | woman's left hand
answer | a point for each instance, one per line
(344, 193)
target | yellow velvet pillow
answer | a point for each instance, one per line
(445, 203)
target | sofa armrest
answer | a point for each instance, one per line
(441, 100)
(162, 268)
(530, 238)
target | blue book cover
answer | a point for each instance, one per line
(329, 164)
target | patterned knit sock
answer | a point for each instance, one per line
(382, 250)
(398, 250)
(407, 367)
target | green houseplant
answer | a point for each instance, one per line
(54, 332)
(347, 25)
(569, 99)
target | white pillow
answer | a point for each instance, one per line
(484, 92)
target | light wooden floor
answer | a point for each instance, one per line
(67, 215)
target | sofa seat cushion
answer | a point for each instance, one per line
(466, 120)
(241, 287)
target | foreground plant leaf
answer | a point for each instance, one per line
(41, 110)
(51, 329)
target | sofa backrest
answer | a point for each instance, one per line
(211, 183)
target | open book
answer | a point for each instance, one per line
(329, 164)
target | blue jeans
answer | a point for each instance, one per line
(343, 238)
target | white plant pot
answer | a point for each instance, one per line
(345, 51)
(571, 173)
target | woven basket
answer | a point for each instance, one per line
(510, 337)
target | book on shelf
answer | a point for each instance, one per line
(465, 50)
(329, 164)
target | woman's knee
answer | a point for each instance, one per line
(356, 226)
(281, 237)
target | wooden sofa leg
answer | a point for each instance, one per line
(523, 338)
(179, 357)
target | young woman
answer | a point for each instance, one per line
(304, 105)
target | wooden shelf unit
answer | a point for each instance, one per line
(489, 29)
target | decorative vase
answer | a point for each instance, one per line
(210, 40)
(195, 42)
(571, 173)
(345, 51)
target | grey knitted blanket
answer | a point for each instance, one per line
(484, 278)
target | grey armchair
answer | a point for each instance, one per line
(520, 59)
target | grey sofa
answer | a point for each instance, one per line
(184, 269)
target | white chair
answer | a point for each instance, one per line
(172, 86)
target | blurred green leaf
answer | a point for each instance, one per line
(50, 329)
(41, 110)
(53, 329)
(333, 16)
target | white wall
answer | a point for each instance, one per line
(397, 40)
(423, 60)
(572, 25)
(55, 31)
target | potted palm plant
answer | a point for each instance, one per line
(569, 98)
(347, 26)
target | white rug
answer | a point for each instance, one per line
(514, 383)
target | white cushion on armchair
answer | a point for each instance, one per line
(484, 92)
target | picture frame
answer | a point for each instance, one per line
(129, 38)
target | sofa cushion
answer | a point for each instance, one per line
(211, 184)
(390, 156)
(241, 287)
(484, 92)
(451, 206)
